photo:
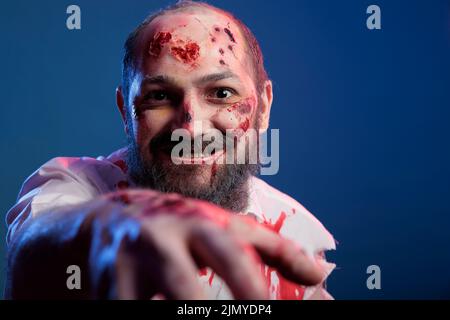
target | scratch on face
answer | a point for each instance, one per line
(187, 117)
(243, 107)
(188, 53)
(230, 34)
(158, 41)
(245, 125)
(184, 51)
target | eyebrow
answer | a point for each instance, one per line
(214, 77)
(160, 79)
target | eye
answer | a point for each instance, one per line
(223, 93)
(157, 95)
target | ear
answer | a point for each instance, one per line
(122, 107)
(266, 104)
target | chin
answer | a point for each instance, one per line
(194, 175)
(219, 183)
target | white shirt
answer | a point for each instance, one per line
(66, 181)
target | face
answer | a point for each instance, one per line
(193, 72)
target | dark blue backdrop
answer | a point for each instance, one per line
(363, 118)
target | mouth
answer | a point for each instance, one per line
(198, 158)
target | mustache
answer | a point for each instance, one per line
(163, 142)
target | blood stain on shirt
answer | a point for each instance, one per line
(285, 289)
(211, 278)
(276, 227)
(122, 165)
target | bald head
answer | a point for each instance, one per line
(189, 32)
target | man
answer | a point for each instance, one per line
(140, 224)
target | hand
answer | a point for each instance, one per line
(145, 243)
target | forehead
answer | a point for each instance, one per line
(195, 39)
(197, 23)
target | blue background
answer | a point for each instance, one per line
(363, 117)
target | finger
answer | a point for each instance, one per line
(283, 254)
(172, 271)
(126, 285)
(158, 296)
(234, 262)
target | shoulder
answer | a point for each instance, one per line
(294, 220)
(96, 173)
(64, 181)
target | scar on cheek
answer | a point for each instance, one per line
(245, 125)
(158, 41)
(187, 117)
(243, 107)
(222, 62)
(221, 51)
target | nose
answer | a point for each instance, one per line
(190, 115)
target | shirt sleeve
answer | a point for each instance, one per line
(58, 183)
(319, 292)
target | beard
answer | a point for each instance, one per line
(224, 185)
